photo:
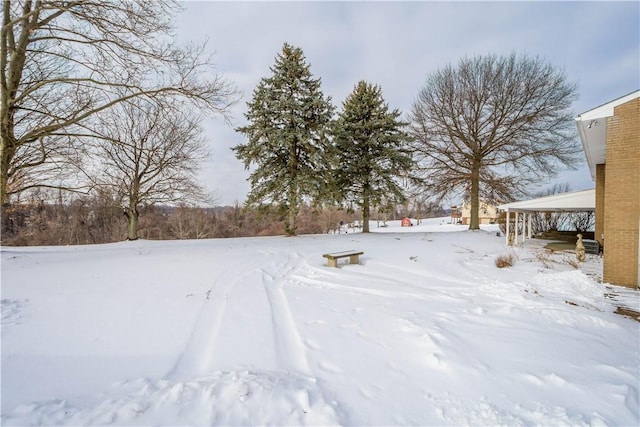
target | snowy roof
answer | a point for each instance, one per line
(584, 200)
(592, 127)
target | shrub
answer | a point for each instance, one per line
(506, 260)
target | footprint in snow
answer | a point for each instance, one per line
(11, 311)
(326, 366)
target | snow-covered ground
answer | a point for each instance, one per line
(258, 331)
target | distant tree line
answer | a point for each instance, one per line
(100, 104)
(69, 219)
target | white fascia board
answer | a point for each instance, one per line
(573, 201)
(607, 110)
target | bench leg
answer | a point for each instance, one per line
(354, 259)
(332, 262)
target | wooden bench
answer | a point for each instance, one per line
(332, 258)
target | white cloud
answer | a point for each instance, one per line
(397, 44)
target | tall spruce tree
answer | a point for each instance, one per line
(288, 137)
(371, 146)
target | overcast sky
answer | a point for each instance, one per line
(398, 44)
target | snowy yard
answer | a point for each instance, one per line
(258, 331)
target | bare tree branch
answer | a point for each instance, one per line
(150, 154)
(492, 126)
(64, 62)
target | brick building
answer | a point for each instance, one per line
(610, 137)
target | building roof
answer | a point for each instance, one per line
(592, 128)
(584, 200)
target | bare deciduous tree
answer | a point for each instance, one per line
(492, 126)
(149, 153)
(62, 62)
(192, 223)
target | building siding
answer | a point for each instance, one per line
(621, 196)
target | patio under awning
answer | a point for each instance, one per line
(575, 201)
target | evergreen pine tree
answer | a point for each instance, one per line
(289, 122)
(370, 142)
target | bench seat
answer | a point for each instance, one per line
(332, 258)
(591, 246)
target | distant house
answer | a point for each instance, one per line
(487, 213)
(610, 137)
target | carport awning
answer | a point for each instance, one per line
(575, 201)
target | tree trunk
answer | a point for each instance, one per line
(365, 209)
(4, 180)
(292, 210)
(290, 226)
(474, 222)
(132, 227)
(6, 157)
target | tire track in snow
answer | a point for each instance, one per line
(290, 347)
(298, 386)
(197, 356)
